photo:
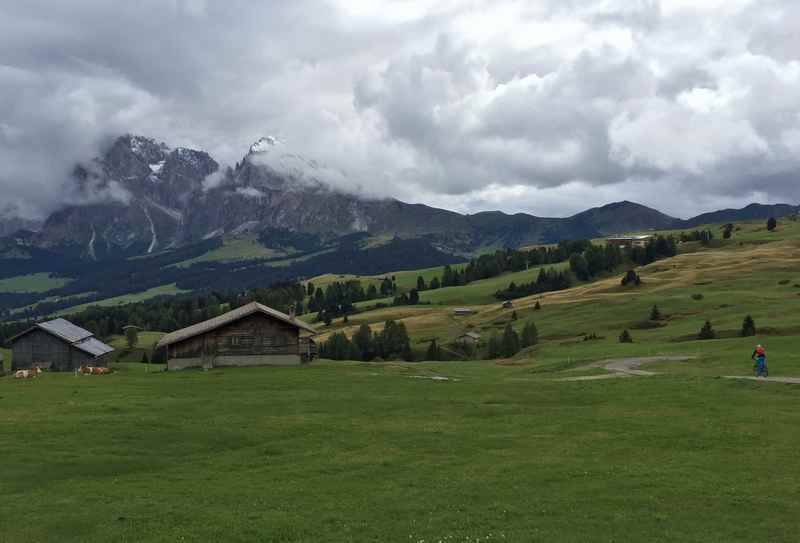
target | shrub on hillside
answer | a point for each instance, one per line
(655, 314)
(772, 224)
(625, 337)
(537, 307)
(434, 352)
(631, 278)
(748, 327)
(707, 331)
(697, 296)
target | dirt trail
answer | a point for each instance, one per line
(789, 380)
(624, 367)
(629, 367)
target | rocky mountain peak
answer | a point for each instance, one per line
(264, 144)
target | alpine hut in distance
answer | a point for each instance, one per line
(57, 345)
(251, 335)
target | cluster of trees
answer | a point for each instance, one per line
(502, 261)
(703, 236)
(391, 343)
(595, 260)
(510, 343)
(337, 298)
(411, 298)
(748, 329)
(657, 248)
(549, 280)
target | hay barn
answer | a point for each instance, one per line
(252, 335)
(57, 345)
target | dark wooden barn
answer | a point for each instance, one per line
(252, 335)
(57, 345)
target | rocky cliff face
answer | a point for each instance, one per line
(157, 198)
(145, 197)
(11, 221)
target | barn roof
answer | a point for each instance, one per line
(65, 330)
(229, 317)
(93, 346)
(72, 334)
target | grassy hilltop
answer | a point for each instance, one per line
(503, 450)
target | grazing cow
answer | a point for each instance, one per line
(94, 370)
(28, 374)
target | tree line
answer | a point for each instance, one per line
(391, 343)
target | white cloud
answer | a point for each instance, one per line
(463, 104)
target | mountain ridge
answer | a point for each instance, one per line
(145, 196)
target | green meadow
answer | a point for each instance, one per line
(378, 452)
(462, 451)
(35, 282)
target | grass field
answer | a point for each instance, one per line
(233, 249)
(35, 282)
(501, 451)
(163, 290)
(146, 342)
(363, 452)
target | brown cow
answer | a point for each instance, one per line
(94, 370)
(28, 374)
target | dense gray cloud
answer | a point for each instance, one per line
(547, 106)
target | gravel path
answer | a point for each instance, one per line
(624, 367)
(630, 367)
(789, 380)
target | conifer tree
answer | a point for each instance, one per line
(707, 331)
(655, 314)
(433, 353)
(772, 224)
(493, 347)
(510, 343)
(748, 326)
(625, 337)
(530, 335)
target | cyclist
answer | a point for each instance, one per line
(760, 358)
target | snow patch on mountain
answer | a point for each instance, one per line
(157, 167)
(264, 144)
(250, 192)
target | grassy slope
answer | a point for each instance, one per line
(344, 452)
(755, 278)
(233, 249)
(163, 290)
(35, 282)
(147, 340)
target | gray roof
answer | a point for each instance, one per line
(74, 335)
(231, 316)
(65, 330)
(93, 346)
(473, 335)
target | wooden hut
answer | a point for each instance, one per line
(57, 345)
(469, 339)
(252, 335)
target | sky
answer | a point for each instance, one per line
(540, 106)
